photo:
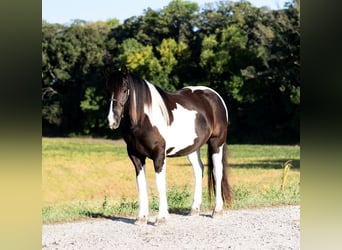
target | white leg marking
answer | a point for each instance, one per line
(197, 166)
(218, 168)
(143, 197)
(161, 187)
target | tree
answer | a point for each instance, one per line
(249, 55)
(140, 59)
(71, 57)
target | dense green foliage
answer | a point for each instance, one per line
(249, 55)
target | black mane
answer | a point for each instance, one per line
(139, 96)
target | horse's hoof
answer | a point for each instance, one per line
(194, 211)
(160, 221)
(141, 221)
(217, 214)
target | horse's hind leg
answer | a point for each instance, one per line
(197, 166)
(215, 147)
(218, 169)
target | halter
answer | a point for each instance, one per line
(112, 99)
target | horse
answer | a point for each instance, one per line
(156, 124)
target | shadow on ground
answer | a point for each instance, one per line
(109, 217)
(268, 164)
(265, 164)
(178, 211)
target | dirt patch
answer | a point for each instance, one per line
(267, 228)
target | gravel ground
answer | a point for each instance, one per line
(266, 228)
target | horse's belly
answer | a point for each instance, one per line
(181, 133)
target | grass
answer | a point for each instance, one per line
(85, 178)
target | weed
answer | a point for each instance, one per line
(241, 193)
(286, 168)
(179, 201)
(154, 204)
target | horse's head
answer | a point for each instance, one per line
(117, 86)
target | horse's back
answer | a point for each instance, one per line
(199, 96)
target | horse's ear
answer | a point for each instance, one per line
(124, 70)
(107, 72)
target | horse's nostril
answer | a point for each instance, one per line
(114, 123)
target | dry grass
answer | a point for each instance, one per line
(88, 169)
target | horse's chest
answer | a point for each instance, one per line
(181, 133)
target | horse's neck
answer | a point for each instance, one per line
(158, 101)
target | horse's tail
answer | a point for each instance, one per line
(225, 187)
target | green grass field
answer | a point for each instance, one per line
(85, 178)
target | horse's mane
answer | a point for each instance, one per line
(145, 95)
(139, 96)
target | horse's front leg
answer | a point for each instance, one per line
(160, 169)
(139, 164)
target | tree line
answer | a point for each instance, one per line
(249, 55)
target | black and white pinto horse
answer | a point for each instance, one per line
(156, 124)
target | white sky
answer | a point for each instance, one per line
(64, 11)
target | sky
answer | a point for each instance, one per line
(64, 11)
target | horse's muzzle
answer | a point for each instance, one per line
(114, 124)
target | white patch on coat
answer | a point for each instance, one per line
(193, 88)
(181, 132)
(158, 106)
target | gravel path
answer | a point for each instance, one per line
(266, 228)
